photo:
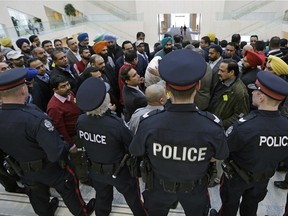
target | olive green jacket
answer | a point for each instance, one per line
(232, 104)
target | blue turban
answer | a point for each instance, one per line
(165, 40)
(31, 74)
(21, 41)
(81, 37)
(108, 37)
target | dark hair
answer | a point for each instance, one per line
(260, 45)
(87, 73)
(274, 42)
(254, 36)
(217, 48)
(242, 44)
(232, 65)
(283, 42)
(196, 43)
(31, 60)
(185, 43)
(68, 39)
(124, 74)
(45, 42)
(57, 40)
(54, 53)
(206, 39)
(125, 42)
(130, 56)
(236, 38)
(82, 49)
(223, 43)
(232, 44)
(56, 80)
(32, 38)
(177, 38)
(140, 34)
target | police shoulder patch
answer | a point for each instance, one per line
(210, 116)
(246, 118)
(48, 124)
(150, 113)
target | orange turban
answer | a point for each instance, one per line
(99, 46)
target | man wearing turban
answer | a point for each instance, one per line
(83, 40)
(101, 48)
(24, 45)
(167, 47)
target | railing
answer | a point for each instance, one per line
(59, 25)
(249, 7)
(115, 10)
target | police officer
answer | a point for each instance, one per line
(180, 141)
(106, 140)
(29, 138)
(257, 143)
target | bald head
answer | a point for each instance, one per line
(155, 95)
(246, 48)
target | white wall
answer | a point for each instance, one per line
(211, 17)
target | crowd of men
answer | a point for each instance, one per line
(183, 114)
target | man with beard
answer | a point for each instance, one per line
(83, 40)
(72, 54)
(24, 45)
(35, 42)
(230, 52)
(249, 70)
(16, 59)
(114, 50)
(100, 48)
(63, 68)
(167, 47)
(41, 91)
(85, 57)
(40, 53)
(109, 76)
(48, 47)
(229, 99)
(215, 59)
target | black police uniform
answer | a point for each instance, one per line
(28, 135)
(106, 140)
(180, 142)
(257, 142)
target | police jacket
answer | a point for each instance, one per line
(180, 141)
(105, 138)
(259, 141)
(27, 134)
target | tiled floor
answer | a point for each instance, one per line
(16, 205)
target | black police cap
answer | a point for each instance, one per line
(181, 69)
(12, 78)
(271, 85)
(91, 94)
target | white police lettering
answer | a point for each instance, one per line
(101, 139)
(179, 153)
(274, 141)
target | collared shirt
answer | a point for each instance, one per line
(213, 63)
(77, 55)
(45, 78)
(137, 88)
(229, 82)
(61, 98)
